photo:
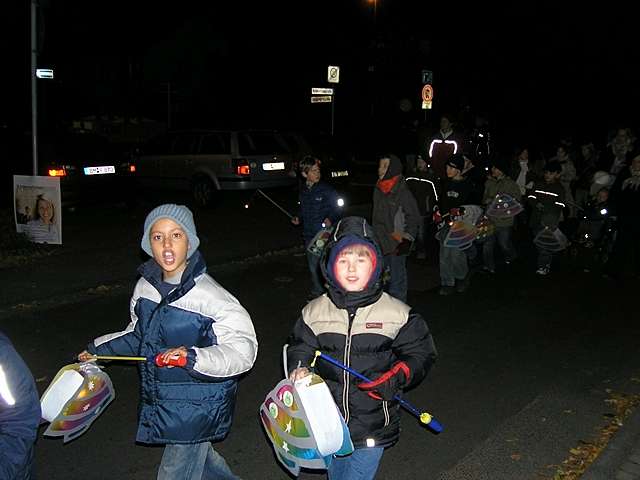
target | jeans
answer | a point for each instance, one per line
(398, 283)
(193, 462)
(362, 464)
(453, 265)
(502, 237)
(317, 287)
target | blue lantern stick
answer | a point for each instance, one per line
(424, 417)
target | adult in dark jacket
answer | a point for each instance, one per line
(395, 221)
(442, 145)
(370, 331)
(19, 414)
(423, 184)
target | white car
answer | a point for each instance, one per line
(208, 161)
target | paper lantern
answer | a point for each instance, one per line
(304, 424)
(551, 240)
(504, 206)
(78, 394)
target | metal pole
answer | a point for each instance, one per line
(168, 105)
(333, 101)
(34, 89)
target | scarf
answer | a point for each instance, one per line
(387, 185)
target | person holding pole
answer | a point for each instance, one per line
(371, 332)
(179, 312)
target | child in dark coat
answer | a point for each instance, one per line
(372, 332)
(319, 209)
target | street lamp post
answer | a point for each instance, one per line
(34, 88)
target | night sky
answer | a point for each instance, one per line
(535, 70)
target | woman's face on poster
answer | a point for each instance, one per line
(45, 210)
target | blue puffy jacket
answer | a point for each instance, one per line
(19, 414)
(317, 202)
(195, 403)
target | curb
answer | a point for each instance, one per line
(621, 458)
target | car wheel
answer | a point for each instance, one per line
(203, 192)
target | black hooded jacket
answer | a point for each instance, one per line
(368, 331)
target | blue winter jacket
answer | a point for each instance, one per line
(317, 203)
(195, 403)
(19, 414)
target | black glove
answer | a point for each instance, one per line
(387, 385)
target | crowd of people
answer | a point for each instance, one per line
(583, 200)
(468, 205)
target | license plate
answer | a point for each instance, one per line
(99, 170)
(273, 166)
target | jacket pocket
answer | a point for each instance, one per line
(191, 412)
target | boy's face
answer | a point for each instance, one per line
(496, 172)
(312, 175)
(603, 196)
(353, 270)
(551, 177)
(452, 172)
(170, 245)
(421, 165)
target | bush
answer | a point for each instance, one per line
(16, 248)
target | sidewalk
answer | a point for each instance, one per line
(621, 458)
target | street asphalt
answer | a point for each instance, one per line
(526, 372)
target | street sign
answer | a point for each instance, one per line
(427, 77)
(321, 99)
(44, 73)
(427, 97)
(427, 93)
(333, 74)
(322, 91)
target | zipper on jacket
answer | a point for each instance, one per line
(345, 374)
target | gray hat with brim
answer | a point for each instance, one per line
(179, 214)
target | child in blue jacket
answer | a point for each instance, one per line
(178, 310)
(19, 414)
(318, 209)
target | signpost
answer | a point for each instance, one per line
(322, 91)
(333, 74)
(427, 97)
(427, 91)
(321, 99)
(44, 73)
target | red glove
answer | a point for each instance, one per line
(387, 385)
(176, 361)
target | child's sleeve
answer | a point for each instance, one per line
(236, 345)
(414, 345)
(303, 344)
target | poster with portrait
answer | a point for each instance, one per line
(37, 208)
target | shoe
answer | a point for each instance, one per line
(488, 270)
(543, 271)
(462, 285)
(445, 290)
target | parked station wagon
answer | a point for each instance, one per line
(208, 161)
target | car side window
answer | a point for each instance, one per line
(215, 144)
(160, 145)
(265, 143)
(184, 144)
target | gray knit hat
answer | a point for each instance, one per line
(179, 214)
